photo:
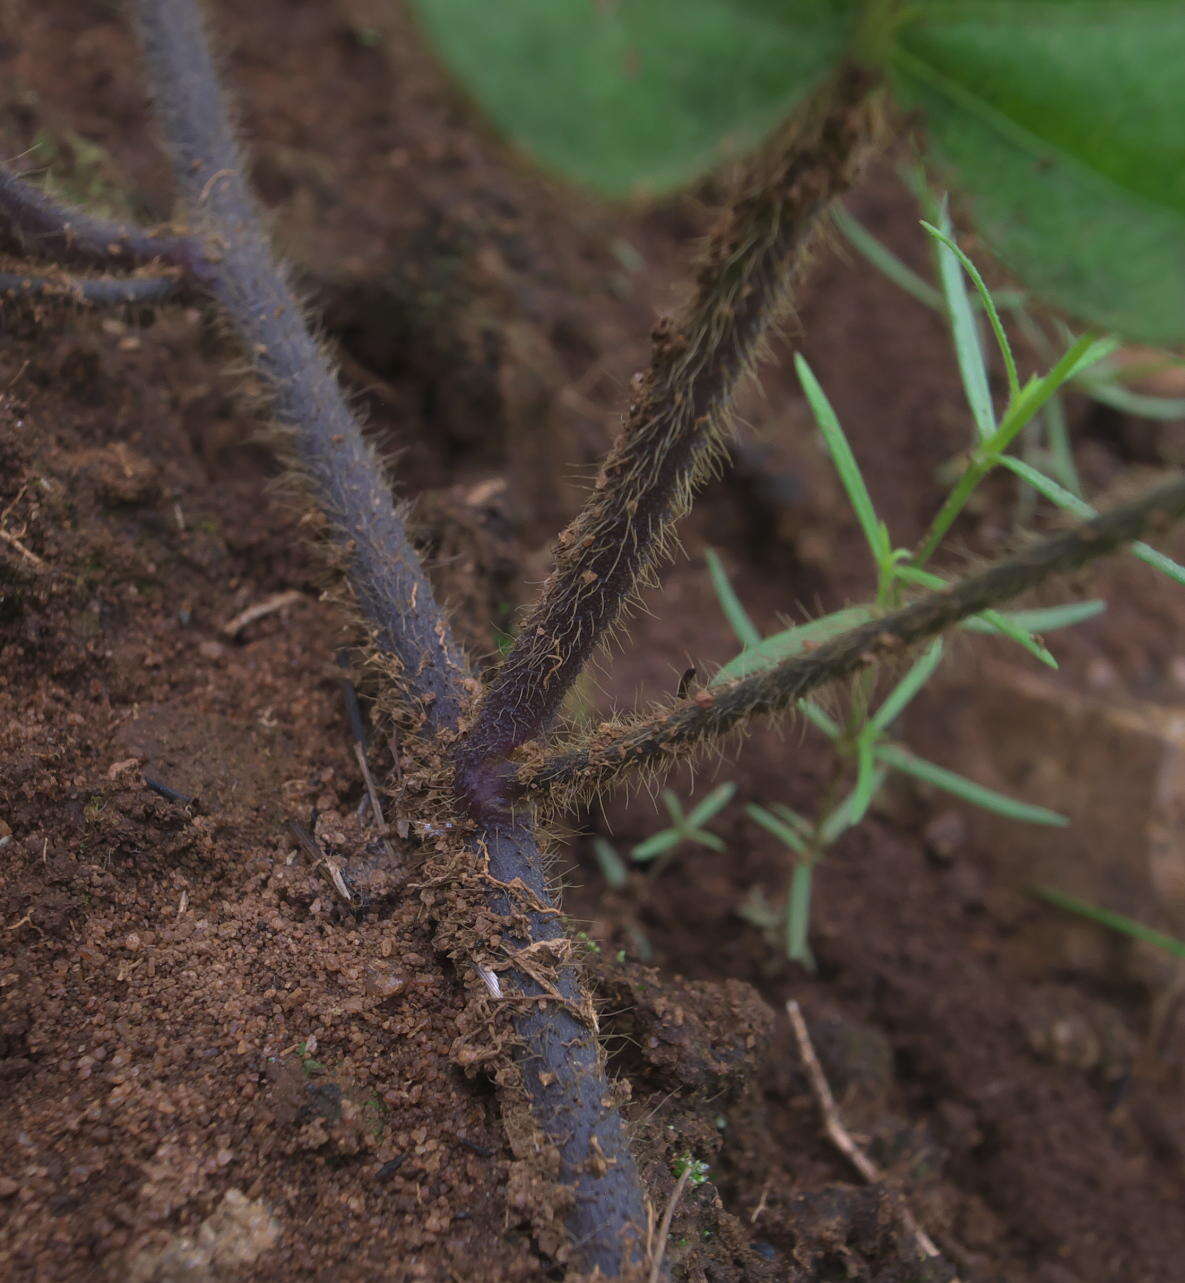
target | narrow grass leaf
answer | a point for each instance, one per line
(964, 330)
(782, 831)
(819, 719)
(844, 460)
(1060, 496)
(993, 621)
(886, 262)
(785, 645)
(674, 808)
(704, 838)
(798, 916)
(800, 822)
(716, 801)
(989, 305)
(1115, 921)
(738, 619)
(1139, 404)
(1050, 618)
(611, 864)
(913, 681)
(657, 845)
(893, 755)
(854, 807)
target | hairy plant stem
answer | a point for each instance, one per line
(336, 460)
(558, 1053)
(94, 291)
(676, 425)
(665, 739)
(49, 231)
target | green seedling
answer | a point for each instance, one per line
(1113, 921)
(696, 1170)
(684, 827)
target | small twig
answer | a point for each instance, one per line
(839, 1135)
(312, 848)
(664, 1226)
(169, 794)
(261, 610)
(710, 714)
(100, 291)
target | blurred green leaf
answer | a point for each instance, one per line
(913, 681)
(908, 763)
(1061, 121)
(844, 460)
(794, 641)
(738, 619)
(1115, 921)
(716, 801)
(611, 864)
(637, 96)
(782, 831)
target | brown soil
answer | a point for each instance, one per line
(213, 1067)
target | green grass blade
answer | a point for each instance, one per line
(855, 806)
(964, 331)
(674, 809)
(799, 822)
(716, 801)
(886, 262)
(1048, 619)
(1079, 507)
(793, 641)
(798, 916)
(844, 460)
(913, 681)
(734, 612)
(611, 864)
(1116, 921)
(819, 719)
(1139, 404)
(657, 845)
(993, 621)
(900, 759)
(783, 832)
(710, 840)
(989, 307)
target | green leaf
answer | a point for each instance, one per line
(799, 822)
(612, 866)
(947, 240)
(637, 96)
(783, 832)
(844, 460)
(798, 916)
(738, 619)
(1116, 921)
(716, 801)
(819, 719)
(674, 809)
(908, 763)
(913, 681)
(794, 641)
(853, 808)
(1061, 122)
(1046, 619)
(964, 331)
(657, 845)
(886, 262)
(1071, 503)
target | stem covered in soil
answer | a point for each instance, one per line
(92, 291)
(676, 425)
(661, 741)
(560, 1061)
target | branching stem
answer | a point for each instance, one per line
(675, 427)
(49, 231)
(663, 740)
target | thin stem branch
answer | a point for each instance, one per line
(95, 291)
(393, 593)
(676, 425)
(662, 740)
(49, 231)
